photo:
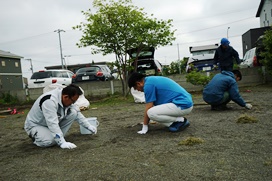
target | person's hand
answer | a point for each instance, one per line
(92, 129)
(248, 106)
(68, 145)
(144, 130)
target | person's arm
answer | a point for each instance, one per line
(83, 121)
(235, 95)
(215, 58)
(236, 56)
(146, 118)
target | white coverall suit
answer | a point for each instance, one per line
(48, 123)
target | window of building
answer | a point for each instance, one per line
(3, 63)
(16, 64)
(265, 15)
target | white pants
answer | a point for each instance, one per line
(166, 114)
(43, 137)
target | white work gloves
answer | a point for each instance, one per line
(68, 145)
(248, 106)
(144, 129)
(62, 143)
(92, 129)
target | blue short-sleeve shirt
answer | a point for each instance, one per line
(162, 90)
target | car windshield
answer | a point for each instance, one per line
(203, 52)
(142, 54)
(41, 75)
(88, 69)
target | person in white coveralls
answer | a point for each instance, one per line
(52, 115)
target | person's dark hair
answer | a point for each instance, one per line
(237, 73)
(133, 78)
(72, 90)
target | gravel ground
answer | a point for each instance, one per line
(226, 150)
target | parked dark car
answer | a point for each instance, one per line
(92, 73)
(202, 58)
(202, 62)
(146, 64)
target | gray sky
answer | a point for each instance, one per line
(27, 28)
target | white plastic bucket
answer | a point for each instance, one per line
(93, 121)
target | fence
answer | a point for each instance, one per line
(251, 76)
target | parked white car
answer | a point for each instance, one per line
(46, 77)
(250, 59)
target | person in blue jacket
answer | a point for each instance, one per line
(222, 89)
(225, 55)
(166, 101)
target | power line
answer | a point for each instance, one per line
(215, 26)
(224, 13)
(35, 36)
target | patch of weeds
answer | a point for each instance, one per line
(8, 99)
(246, 119)
(190, 141)
(198, 78)
(268, 163)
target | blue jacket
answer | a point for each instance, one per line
(223, 82)
(225, 57)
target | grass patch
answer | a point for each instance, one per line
(246, 119)
(190, 141)
(111, 101)
(268, 163)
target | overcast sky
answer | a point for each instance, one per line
(27, 28)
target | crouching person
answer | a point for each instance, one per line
(166, 101)
(52, 115)
(222, 89)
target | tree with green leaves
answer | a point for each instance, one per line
(118, 26)
(267, 51)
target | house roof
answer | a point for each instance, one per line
(9, 55)
(260, 8)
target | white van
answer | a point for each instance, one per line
(250, 59)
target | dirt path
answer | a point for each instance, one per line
(230, 150)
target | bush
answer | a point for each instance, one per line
(7, 98)
(198, 78)
(267, 53)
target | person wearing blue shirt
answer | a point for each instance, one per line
(222, 89)
(166, 101)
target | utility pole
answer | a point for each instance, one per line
(228, 32)
(66, 58)
(31, 66)
(61, 57)
(179, 59)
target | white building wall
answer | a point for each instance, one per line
(266, 14)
